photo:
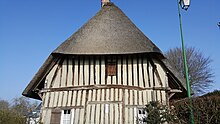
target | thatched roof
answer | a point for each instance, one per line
(39, 76)
(110, 31)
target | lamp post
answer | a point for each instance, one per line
(184, 4)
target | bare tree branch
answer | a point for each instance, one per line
(200, 73)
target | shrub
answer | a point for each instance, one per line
(158, 113)
(206, 109)
(10, 117)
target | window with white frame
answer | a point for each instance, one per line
(66, 116)
(141, 115)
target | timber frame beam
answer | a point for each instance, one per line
(172, 92)
(92, 87)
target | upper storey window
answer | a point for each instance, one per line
(111, 67)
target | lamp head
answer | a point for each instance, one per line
(184, 4)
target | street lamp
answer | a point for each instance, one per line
(185, 5)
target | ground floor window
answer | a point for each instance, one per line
(141, 115)
(66, 116)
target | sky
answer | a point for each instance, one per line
(31, 29)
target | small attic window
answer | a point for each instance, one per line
(111, 67)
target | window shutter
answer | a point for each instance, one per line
(111, 69)
(55, 116)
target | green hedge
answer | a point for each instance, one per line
(206, 109)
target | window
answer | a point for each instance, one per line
(66, 116)
(141, 116)
(111, 67)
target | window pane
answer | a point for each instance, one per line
(139, 111)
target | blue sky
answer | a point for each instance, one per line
(31, 29)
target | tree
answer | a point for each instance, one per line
(16, 112)
(4, 105)
(8, 115)
(200, 73)
(21, 105)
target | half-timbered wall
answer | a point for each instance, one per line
(81, 83)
